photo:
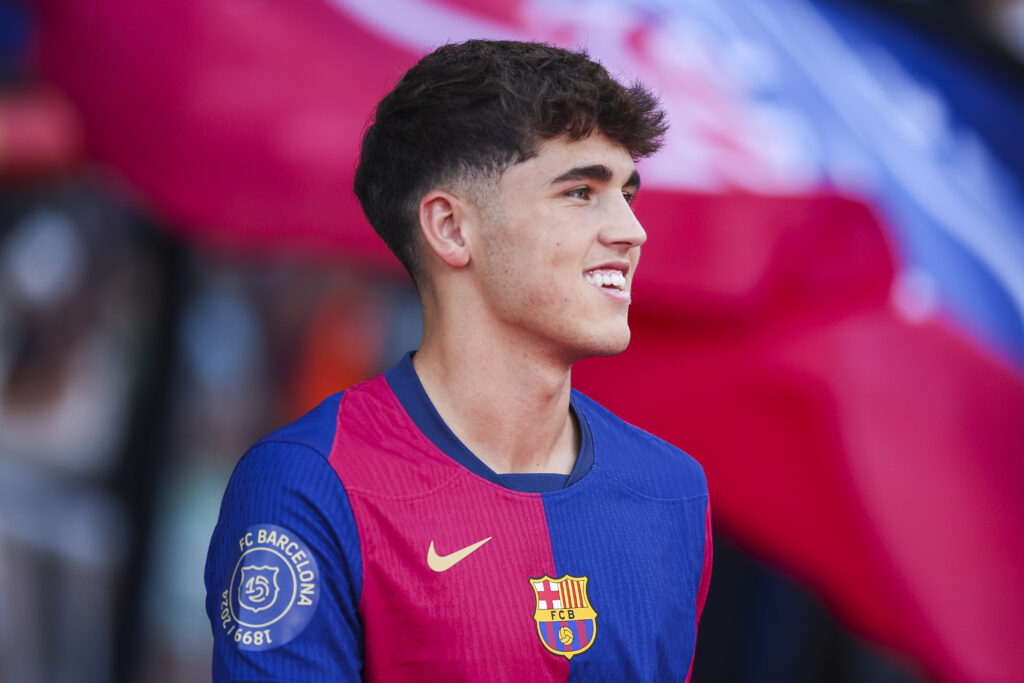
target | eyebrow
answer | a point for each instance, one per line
(598, 172)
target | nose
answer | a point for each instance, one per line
(622, 227)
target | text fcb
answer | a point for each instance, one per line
(566, 621)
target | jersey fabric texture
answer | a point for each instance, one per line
(364, 541)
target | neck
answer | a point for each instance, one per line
(507, 404)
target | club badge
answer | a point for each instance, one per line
(566, 622)
(273, 590)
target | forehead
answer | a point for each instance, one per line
(558, 155)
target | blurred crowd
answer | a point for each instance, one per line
(133, 374)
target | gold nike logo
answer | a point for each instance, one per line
(442, 563)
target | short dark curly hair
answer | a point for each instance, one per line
(470, 110)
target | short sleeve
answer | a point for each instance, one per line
(284, 573)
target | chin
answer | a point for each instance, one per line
(609, 344)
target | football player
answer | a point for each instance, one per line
(467, 515)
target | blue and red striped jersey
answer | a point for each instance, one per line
(364, 541)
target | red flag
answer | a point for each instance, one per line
(875, 457)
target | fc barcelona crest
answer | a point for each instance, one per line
(566, 622)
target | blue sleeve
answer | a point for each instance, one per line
(284, 573)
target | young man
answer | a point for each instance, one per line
(466, 515)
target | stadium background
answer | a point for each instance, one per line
(830, 314)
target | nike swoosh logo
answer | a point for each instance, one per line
(442, 563)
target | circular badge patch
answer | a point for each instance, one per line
(274, 589)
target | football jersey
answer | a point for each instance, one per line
(365, 541)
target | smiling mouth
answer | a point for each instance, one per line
(606, 278)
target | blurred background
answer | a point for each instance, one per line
(829, 316)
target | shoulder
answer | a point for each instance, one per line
(315, 430)
(640, 460)
(291, 459)
(286, 478)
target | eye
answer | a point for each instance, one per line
(582, 193)
(628, 196)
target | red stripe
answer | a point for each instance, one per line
(552, 638)
(705, 578)
(581, 628)
(389, 517)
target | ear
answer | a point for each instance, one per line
(441, 222)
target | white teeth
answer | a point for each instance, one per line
(606, 278)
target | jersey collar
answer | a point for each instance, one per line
(407, 387)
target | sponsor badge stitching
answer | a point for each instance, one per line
(273, 590)
(566, 621)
